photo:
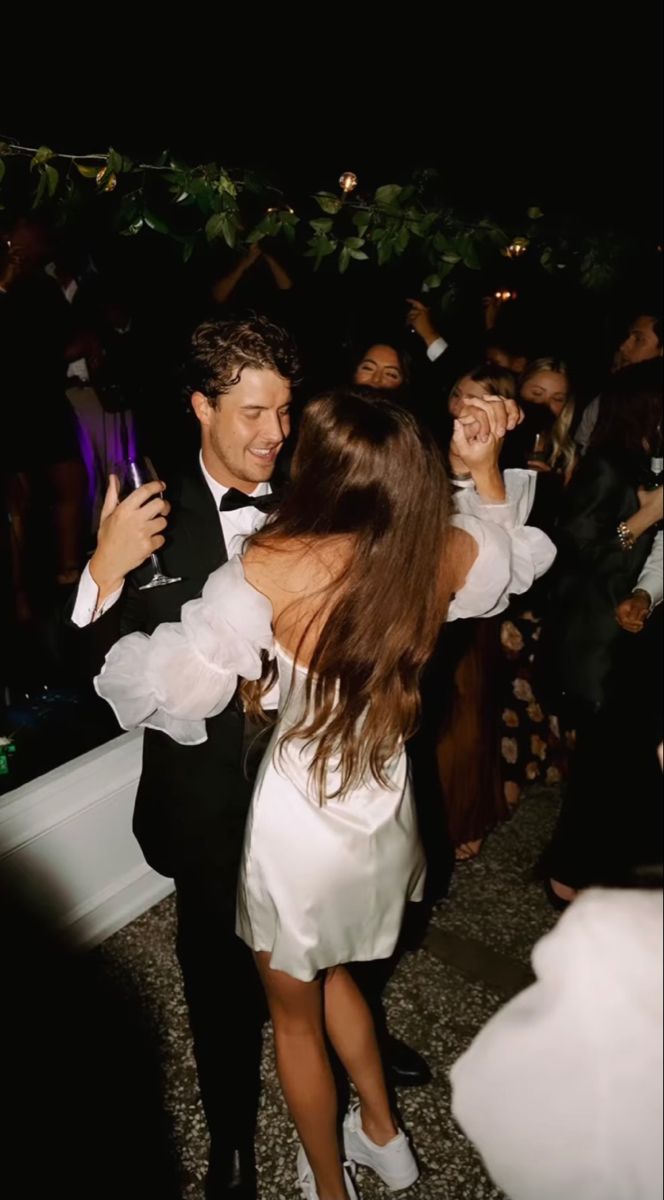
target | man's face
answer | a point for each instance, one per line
(243, 435)
(640, 344)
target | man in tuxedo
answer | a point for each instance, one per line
(192, 802)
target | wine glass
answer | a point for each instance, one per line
(133, 473)
(538, 453)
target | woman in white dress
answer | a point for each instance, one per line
(343, 593)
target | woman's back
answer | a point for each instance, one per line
(301, 578)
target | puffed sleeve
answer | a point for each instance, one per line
(188, 671)
(511, 554)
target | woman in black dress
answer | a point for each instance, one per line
(609, 679)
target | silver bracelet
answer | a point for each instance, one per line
(625, 537)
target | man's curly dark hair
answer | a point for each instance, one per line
(221, 350)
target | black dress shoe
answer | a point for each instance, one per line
(404, 1066)
(231, 1177)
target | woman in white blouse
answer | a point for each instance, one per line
(342, 594)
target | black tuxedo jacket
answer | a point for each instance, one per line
(192, 801)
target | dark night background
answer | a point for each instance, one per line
(521, 106)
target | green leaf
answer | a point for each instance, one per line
(52, 179)
(257, 234)
(320, 247)
(402, 239)
(41, 190)
(359, 255)
(226, 184)
(188, 248)
(222, 225)
(546, 259)
(2, 170)
(385, 250)
(421, 227)
(446, 268)
(361, 219)
(134, 228)
(328, 202)
(344, 260)
(469, 254)
(43, 154)
(388, 194)
(86, 170)
(322, 224)
(451, 258)
(154, 222)
(114, 162)
(441, 243)
(354, 243)
(432, 281)
(535, 213)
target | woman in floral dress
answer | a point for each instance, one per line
(533, 746)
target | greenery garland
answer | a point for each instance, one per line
(211, 203)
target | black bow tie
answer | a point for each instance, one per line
(234, 498)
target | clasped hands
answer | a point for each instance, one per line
(479, 431)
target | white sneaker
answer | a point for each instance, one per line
(394, 1163)
(305, 1178)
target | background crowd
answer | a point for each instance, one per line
(556, 690)
(92, 346)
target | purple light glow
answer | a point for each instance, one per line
(106, 440)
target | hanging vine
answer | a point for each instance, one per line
(210, 203)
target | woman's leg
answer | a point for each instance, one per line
(305, 1074)
(351, 1030)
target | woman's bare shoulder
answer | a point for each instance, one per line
(289, 568)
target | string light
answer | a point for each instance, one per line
(111, 181)
(348, 182)
(516, 248)
(504, 296)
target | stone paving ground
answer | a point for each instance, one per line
(475, 956)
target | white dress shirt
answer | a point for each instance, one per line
(436, 348)
(651, 578)
(236, 526)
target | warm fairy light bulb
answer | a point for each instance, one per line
(348, 182)
(111, 182)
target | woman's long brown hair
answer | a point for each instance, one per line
(364, 468)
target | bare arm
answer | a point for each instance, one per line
(223, 289)
(279, 273)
